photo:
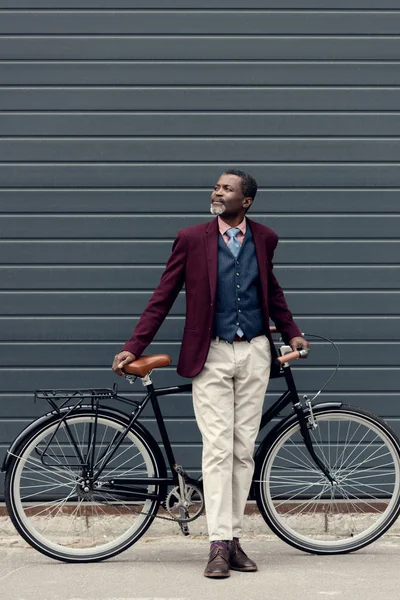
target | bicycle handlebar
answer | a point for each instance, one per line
(295, 355)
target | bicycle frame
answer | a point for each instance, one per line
(129, 485)
(290, 395)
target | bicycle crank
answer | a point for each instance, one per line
(185, 507)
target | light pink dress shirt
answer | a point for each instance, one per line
(223, 228)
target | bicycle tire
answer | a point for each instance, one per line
(319, 517)
(51, 538)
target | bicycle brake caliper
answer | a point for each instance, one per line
(312, 423)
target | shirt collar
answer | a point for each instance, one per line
(223, 227)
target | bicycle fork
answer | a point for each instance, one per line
(307, 424)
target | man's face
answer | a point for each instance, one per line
(227, 197)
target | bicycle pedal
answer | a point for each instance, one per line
(184, 528)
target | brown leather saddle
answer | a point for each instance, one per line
(141, 366)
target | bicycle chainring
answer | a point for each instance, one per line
(186, 509)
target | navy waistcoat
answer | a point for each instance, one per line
(238, 291)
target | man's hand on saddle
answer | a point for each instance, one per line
(122, 359)
(298, 342)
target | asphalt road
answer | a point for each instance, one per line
(172, 568)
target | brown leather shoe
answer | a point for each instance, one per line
(238, 560)
(218, 563)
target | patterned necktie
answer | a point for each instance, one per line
(234, 247)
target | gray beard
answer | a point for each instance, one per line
(217, 210)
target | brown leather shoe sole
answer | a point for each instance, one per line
(217, 575)
(247, 569)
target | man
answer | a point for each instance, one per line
(231, 293)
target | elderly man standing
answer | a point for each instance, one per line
(231, 293)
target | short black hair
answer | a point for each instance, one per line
(249, 184)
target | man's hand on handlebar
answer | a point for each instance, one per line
(298, 342)
(122, 359)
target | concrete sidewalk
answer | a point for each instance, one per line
(172, 567)
(166, 565)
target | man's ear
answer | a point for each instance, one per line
(249, 201)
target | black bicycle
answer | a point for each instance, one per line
(85, 481)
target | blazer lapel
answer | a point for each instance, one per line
(211, 240)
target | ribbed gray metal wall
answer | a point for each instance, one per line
(117, 116)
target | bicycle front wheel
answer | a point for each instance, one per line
(311, 513)
(58, 511)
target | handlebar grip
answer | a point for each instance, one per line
(295, 355)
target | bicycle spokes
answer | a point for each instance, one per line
(360, 500)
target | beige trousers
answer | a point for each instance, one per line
(228, 396)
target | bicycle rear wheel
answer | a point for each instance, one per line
(304, 508)
(45, 493)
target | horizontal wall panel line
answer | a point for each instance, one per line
(291, 190)
(83, 315)
(181, 318)
(200, 36)
(219, 112)
(161, 9)
(167, 215)
(45, 344)
(199, 112)
(188, 86)
(191, 163)
(184, 138)
(209, 9)
(197, 61)
(162, 265)
(135, 293)
(128, 394)
(156, 265)
(191, 150)
(196, 138)
(142, 419)
(152, 420)
(151, 290)
(342, 5)
(80, 12)
(200, 73)
(91, 175)
(170, 369)
(205, 163)
(282, 241)
(322, 367)
(197, 22)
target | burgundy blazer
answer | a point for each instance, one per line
(194, 262)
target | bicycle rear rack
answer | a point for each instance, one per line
(59, 399)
